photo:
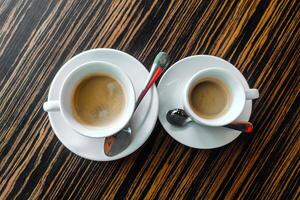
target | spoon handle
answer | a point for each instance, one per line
(155, 76)
(243, 126)
(159, 65)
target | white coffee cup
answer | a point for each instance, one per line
(64, 103)
(238, 94)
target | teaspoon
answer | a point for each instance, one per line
(118, 142)
(178, 117)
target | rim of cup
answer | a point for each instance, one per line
(72, 80)
(236, 90)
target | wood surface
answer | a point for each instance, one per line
(260, 37)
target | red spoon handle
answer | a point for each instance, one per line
(243, 126)
(155, 76)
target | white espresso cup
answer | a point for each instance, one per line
(238, 95)
(64, 103)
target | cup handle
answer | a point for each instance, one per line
(50, 106)
(252, 94)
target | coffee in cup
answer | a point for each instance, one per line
(98, 100)
(210, 98)
(215, 97)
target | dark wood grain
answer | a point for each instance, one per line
(260, 37)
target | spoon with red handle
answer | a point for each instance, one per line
(178, 117)
(118, 142)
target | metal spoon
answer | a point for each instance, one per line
(117, 143)
(178, 117)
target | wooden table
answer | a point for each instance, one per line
(261, 38)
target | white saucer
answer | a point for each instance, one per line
(143, 120)
(170, 91)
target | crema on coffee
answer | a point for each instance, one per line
(209, 98)
(98, 100)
